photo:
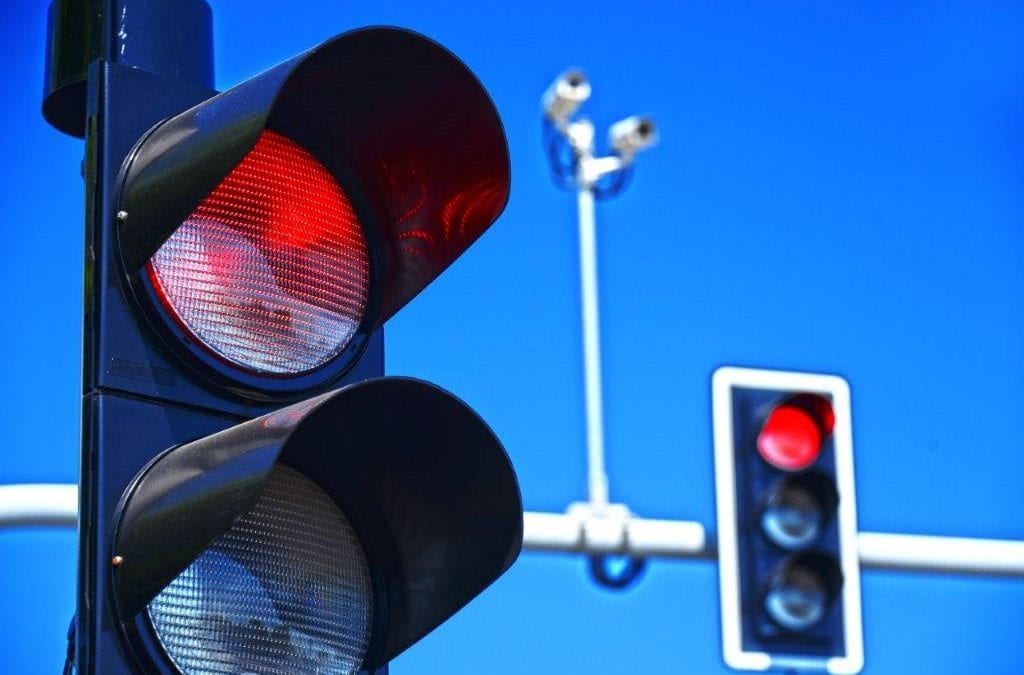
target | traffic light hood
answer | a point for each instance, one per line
(427, 487)
(402, 124)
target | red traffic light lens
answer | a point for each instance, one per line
(792, 435)
(270, 273)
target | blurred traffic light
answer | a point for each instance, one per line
(255, 497)
(787, 532)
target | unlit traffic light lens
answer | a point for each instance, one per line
(801, 592)
(793, 519)
(270, 272)
(285, 590)
(797, 508)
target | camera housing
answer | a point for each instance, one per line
(633, 134)
(565, 95)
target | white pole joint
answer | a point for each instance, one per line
(611, 531)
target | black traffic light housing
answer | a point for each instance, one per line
(404, 127)
(386, 110)
(180, 443)
(787, 532)
(427, 487)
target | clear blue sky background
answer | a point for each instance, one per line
(839, 188)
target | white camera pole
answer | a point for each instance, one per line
(599, 522)
(583, 173)
(597, 477)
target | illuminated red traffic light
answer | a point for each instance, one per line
(792, 434)
(268, 231)
(270, 272)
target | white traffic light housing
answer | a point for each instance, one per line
(787, 527)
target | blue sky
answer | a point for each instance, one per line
(839, 188)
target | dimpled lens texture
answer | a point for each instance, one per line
(285, 590)
(270, 272)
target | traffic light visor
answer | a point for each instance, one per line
(338, 530)
(280, 222)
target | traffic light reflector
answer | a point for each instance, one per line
(270, 272)
(286, 589)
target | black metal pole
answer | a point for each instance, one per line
(161, 55)
(170, 38)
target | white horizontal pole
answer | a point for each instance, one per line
(568, 533)
(640, 537)
(56, 505)
(955, 555)
(40, 504)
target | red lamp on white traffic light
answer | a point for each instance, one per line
(787, 532)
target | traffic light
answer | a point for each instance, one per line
(255, 496)
(787, 530)
(319, 538)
